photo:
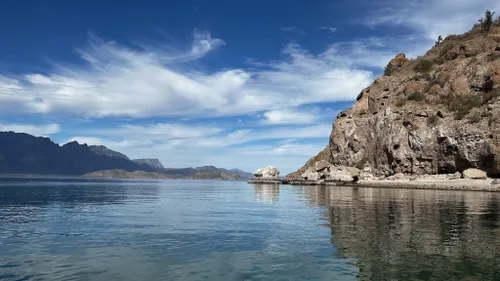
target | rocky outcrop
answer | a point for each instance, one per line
(323, 171)
(102, 150)
(267, 173)
(437, 114)
(151, 162)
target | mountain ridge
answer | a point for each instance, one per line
(21, 153)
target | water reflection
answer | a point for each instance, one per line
(36, 192)
(413, 234)
(267, 193)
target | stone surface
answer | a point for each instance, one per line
(343, 174)
(321, 165)
(391, 134)
(474, 174)
(311, 175)
(495, 182)
(152, 162)
(267, 173)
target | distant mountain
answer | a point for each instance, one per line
(201, 175)
(25, 154)
(207, 172)
(152, 162)
(102, 150)
(121, 174)
(243, 175)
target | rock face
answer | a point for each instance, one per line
(474, 174)
(102, 150)
(267, 173)
(438, 114)
(152, 162)
(324, 171)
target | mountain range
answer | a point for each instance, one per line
(22, 153)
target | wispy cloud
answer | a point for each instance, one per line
(293, 30)
(236, 149)
(120, 81)
(289, 116)
(431, 17)
(37, 130)
(328, 28)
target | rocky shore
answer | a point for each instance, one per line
(429, 123)
(442, 182)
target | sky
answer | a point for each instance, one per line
(234, 84)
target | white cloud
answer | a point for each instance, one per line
(121, 81)
(288, 116)
(288, 146)
(160, 131)
(293, 30)
(204, 43)
(329, 28)
(431, 17)
(189, 136)
(37, 130)
(122, 145)
(225, 154)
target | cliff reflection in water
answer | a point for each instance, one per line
(267, 193)
(413, 234)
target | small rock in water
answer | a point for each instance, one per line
(267, 173)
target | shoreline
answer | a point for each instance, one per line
(455, 184)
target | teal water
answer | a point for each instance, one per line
(214, 230)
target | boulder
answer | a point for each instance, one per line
(321, 165)
(475, 174)
(454, 176)
(399, 60)
(311, 175)
(343, 174)
(398, 176)
(267, 173)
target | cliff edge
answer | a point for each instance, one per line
(437, 114)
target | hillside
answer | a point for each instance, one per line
(25, 154)
(121, 174)
(437, 114)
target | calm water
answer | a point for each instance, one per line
(211, 230)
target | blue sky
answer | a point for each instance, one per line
(235, 84)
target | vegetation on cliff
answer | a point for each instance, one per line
(435, 114)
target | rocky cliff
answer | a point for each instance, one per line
(439, 113)
(102, 150)
(152, 162)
